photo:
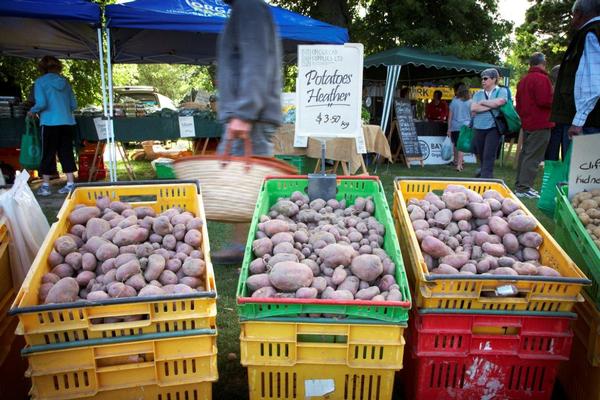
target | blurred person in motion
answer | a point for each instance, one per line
(437, 109)
(534, 103)
(459, 115)
(54, 104)
(578, 83)
(485, 109)
(249, 81)
(559, 136)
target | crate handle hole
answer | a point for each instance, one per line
(128, 359)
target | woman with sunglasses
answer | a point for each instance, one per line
(485, 110)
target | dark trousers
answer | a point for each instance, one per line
(559, 143)
(57, 140)
(485, 144)
(532, 154)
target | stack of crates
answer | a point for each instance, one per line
(159, 347)
(13, 384)
(466, 337)
(580, 377)
(350, 349)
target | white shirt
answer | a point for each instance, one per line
(587, 78)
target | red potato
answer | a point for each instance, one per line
(182, 218)
(107, 251)
(496, 250)
(341, 295)
(462, 214)
(531, 239)
(55, 258)
(456, 260)
(96, 227)
(65, 244)
(194, 223)
(282, 257)
(114, 222)
(155, 267)
(130, 235)
(444, 269)
(144, 211)
(283, 248)
(543, 270)
(307, 293)
(435, 247)
(44, 289)
(102, 202)
(63, 270)
(168, 278)
(367, 294)
(334, 255)
(511, 243)
(77, 230)
(455, 200)
(257, 266)
(522, 223)
(193, 238)
(274, 226)
(119, 290)
(119, 207)
(290, 276)
(262, 246)
(127, 270)
(50, 277)
(480, 210)
(136, 281)
(151, 290)
(191, 281)
(531, 254)
(319, 283)
(193, 267)
(499, 226)
(97, 295)
(339, 275)
(493, 194)
(367, 267)
(128, 221)
(162, 226)
(74, 260)
(65, 290)
(264, 292)
(174, 264)
(129, 249)
(84, 277)
(179, 232)
(504, 271)
(83, 214)
(524, 268)
(184, 248)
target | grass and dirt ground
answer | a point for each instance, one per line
(232, 382)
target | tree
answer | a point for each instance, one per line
(546, 29)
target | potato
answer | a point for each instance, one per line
(168, 277)
(493, 194)
(289, 276)
(119, 207)
(480, 210)
(96, 227)
(193, 267)
(65, 290)
(144, 211)
(511, 243)
(283, 248)
(454, 200)
(184, 248)
(543, 270)
(367, 267)
(65, 245)
(274, 226)
(281, 257)
(107, 251)
(524, 268)
(265, 292)
(334, 255)
(127, 222)
(119, 290)
(522, 223)
(417, 213)
(114, 223)
(182, 218)
(394, 295)
(319, 283)
(504, 271)
(44, 289)
(74, 260)
(191, 281)
(339, 275)
(456, 260)
(470, 268)
(83, 214)
(155, 267)
(311, 264)
(530, 254)
(499, 226)
(130, 235)
(127, 270)
(531, 239)
(151, 290)
(307, 293)
(162, 226)
(444, 269)
(496, 250)
(367, 294)
(262, 247)
(63, 270)
(84, 277)
(506, 262)
(78, 230)
(102, 202)
(193, 237)
(257, 266)
(435, 247)
(462, 214)
(341, 295)
(97, 295)
(55, 258)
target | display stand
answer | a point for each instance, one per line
(402, 153)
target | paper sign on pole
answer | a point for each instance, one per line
(101, 127)
(186, 127)
(584, 171)
(329, 92)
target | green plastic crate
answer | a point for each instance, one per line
(348, 188)
(297, 162)
(575, 240)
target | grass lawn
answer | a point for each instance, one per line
(233, 380)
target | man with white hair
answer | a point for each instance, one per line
(578, 84)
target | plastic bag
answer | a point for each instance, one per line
(27, 226)
(31, 146)
(465, 139)
(447, 149)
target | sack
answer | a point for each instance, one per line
(31, 146)
(465, 139)
(447, 149)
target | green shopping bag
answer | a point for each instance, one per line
(513, 121)
(31, 146)
(555, 172)
(465, 139)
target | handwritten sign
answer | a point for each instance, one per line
(101, 125)
(584, 171)
(186, 127)
(407, 129)
(329, 91)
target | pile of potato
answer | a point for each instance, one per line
(463, 232)
(322, 250)
(113, 250)
(587, 207)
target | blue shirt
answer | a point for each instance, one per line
(461, 113)
(54, 100)
(484, 120)
(587, 78)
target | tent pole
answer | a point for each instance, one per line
(103, 83)
(112, 152)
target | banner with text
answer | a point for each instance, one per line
(584, 171)
(329, 93)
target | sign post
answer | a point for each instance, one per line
(584, 170)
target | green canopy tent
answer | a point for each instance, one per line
(412, 65)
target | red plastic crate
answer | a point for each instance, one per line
(526, 337)
(85, 163)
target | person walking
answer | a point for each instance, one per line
(559, 136)
(534, 103)
(54, 105)
(485, 106)
(249, 81)
(578, 83)
(459, 115)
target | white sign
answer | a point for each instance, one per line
(329, 92)
(584, 171)
(101, 127)
(431, 148)
(186, 127)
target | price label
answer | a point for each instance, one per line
(186, 127)
(101, 128)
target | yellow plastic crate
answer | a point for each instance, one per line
(295, 343)
(536, 294)
(579, 379)
(73, 322)
(163, 360)
(195, 391)
(6, 281)
(587, 328)
(312, 381)
(8, 324)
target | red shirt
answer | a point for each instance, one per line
(437, 113)
(534, 100)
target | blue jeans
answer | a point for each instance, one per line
(559, 143)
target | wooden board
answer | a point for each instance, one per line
(407, 130)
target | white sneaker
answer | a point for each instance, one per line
(67, 188)
(529, 194)
(44, 190)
